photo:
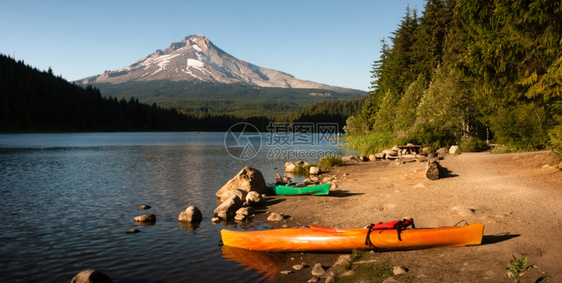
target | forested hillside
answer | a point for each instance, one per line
(333, 111)
(33, 100)
(241, 100)
(467, 71)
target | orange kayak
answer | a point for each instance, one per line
(324, 239)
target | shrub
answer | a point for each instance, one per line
(302, 170)
(516, 269)
(472, 144)
(329, 162)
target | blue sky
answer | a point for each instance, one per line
(331, 42)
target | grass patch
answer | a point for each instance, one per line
(503, 148)
(329, 162)
(302, 170)
(371, 143)
(367, 272)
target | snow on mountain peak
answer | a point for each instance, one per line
(196, 58)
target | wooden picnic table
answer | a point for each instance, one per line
(409, 151)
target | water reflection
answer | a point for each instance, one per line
(265, 263)
(70, 204)
(189, 226)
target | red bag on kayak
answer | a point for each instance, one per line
(396, 224)
(399, 225)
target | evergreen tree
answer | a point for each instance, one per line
(407, 106)
(439, 115)
(386, 115)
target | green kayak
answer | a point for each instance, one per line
(315, 190)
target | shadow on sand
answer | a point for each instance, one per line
(446, 173)
(493, 239)
(343, 194)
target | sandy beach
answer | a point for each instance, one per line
(516, 196)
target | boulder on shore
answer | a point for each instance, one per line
(253, 198)
(290, 167)
(248, 179)
(228, 194)
(314, 170)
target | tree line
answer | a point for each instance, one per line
(468, 72)
(38, 101)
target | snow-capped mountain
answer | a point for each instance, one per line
(197, 58)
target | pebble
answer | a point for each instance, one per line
(274, 216)
(285, 272)
(399, 270)
(298, 266)
(419, 186)
(463, 211)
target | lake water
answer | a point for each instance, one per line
(69, 198)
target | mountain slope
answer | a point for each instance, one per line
(196, 58)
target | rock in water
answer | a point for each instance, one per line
(191, 214)
(145, 218)
(228, 208)
(91, 276)
(248, 179)
(290, 168)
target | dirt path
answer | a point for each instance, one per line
(516, 196)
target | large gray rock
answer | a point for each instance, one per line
(228, 208)
(191, 214)
(238, 193)
(246, 211)
(91, 276)
(248, 179)
(351, 159)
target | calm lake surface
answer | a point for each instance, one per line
(69, 198)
